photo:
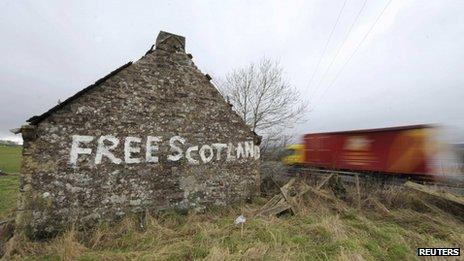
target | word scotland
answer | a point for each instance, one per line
(107, 145)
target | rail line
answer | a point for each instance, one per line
(455, 186)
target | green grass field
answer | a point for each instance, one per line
(10, 158)
(10, 161)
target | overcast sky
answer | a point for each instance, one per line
(408, 70)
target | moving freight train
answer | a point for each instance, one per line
(417, 151)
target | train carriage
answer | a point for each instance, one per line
(407, 150)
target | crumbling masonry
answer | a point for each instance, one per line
(152, 135)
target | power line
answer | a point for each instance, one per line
(327, 43)
(355, 51)
(340, 47)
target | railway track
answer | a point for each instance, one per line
(456, 187)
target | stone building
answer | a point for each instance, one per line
(152, 135)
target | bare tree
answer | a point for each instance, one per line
(264, 98)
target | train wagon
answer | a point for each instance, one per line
(407, 150)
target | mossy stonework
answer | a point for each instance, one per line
(153, 135)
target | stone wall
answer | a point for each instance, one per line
(154, 135)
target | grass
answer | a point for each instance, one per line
(8, 194)
(10, 161)
(322, 230)
(10, 158)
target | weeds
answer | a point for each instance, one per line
(335, 230)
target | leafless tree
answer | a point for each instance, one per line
(264, 99)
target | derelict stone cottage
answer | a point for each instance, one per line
(152, 135)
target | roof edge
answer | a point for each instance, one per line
(395, 128)
(34, 120)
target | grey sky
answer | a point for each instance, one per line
(408, 71)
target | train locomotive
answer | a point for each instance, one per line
(416, 151)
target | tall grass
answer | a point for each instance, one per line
(322, 230)
(9, 190)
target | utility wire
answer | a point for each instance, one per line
(355, 51)
(340, 47)
(327, 43)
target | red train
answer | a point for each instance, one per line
(407, 150)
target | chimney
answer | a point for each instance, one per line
(170, 42)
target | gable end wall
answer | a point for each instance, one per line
(162, 95)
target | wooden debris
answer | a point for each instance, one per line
(275, 206)
(446, 201)
(324, 181)
(436, 193)
(323, 194)
(293, 191)
(286, 199)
